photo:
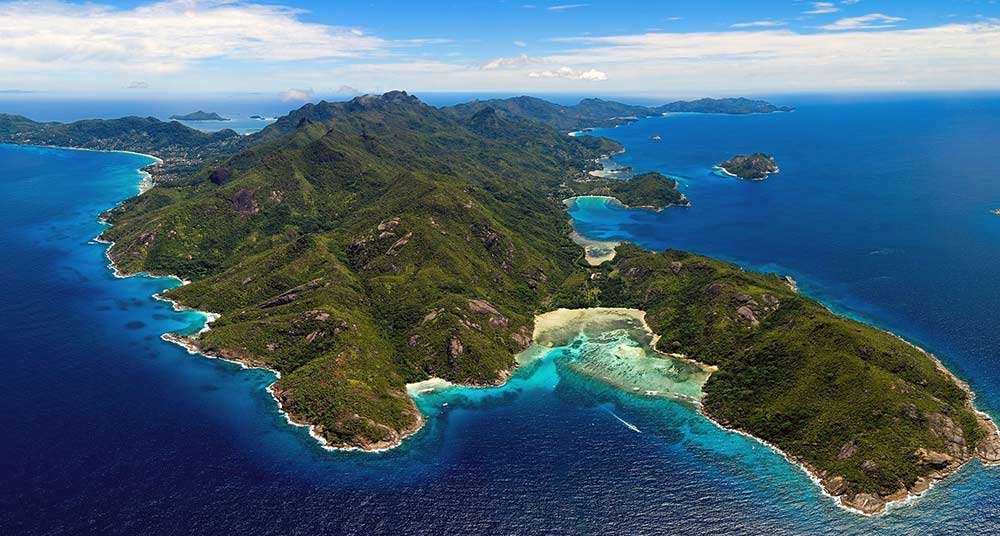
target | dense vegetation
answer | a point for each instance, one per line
(866, 411)
(358, 246)
(648, 190)
(378, 242)
(739, 106)
(593, 113)
(755, 166)
(183, 149)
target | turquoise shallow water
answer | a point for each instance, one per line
(882, 213)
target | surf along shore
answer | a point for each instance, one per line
(597, 252)
(867, 505)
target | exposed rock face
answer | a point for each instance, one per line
(748, 315)
(946, 429)
(522, 337)
(243, 202)
(482, 307)
(988, 450)
(849, 449)
(864, 502)
(790, 283)
(455, 347)
(937, 460)
(835, 486)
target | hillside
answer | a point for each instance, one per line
(379, 242)
(596, 113)
(358, 246)
(182, 149)
(873, 417)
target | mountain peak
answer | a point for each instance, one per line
(390, 98)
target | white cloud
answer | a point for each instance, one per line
(565, 7)
(520, 43)
(849, 2)
(948, 57)
(822, 8)
(295, 94)
(137, 85)
(758, 24)
(866, 22)
(165, 36)
(507, 63)
(228, 46)
(590, 75)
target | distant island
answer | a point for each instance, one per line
(591, 113)
(357, 247)
(756, 166)
(260, 117)
(199, 116)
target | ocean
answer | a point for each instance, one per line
(881, 210)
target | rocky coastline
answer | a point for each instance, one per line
(755, 167)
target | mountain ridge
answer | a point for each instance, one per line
(356, 247)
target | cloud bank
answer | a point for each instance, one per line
(237, 46)
(165, 36)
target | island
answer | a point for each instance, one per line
(590, 113)
(756, 166)
(258, 117)
(363, 246)
(199, 116)
(735, 106)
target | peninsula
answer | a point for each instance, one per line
(357, 247)
(182, 149)
(199, 116)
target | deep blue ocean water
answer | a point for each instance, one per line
(881, 210)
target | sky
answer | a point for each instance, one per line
(297, 50)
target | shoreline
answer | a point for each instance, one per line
(618, 202)
(157, 159)
(193, 348)
(735, 176)
(147, 182)
(188, 342)
(920, 487)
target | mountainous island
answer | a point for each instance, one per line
(359, 246)
(756, 166)
(596, 113)
(199, 116)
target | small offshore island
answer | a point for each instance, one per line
(359, 248)
(199, 116)
(756, 166)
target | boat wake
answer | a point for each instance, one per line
(627, 424)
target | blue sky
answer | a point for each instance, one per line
(299, 49)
